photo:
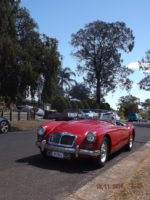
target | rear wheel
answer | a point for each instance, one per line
(129, 146)
(102, 158)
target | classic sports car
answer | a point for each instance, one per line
(89, 138)
(4, 125)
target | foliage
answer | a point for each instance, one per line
(74, 104)
(31, 63)
(146, 106)
(80, 105)
(29, 53)
(145, 66)
(59, 103)
(26, 55)
(65, 80)
(104, 106)
(85, 104)
(98, 47)
(50, 67)
(93, 104)
(128, 104)
(79, 91)
(8, 49)
(68, 103)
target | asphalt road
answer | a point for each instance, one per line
(25, 175)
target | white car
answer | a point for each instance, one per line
(109, 116)
(40, 112)
(24, 108)
(87, 114)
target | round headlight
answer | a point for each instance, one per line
(41, 130)
(91, 136)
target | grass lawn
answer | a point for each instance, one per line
(24, 125)
(138, 187)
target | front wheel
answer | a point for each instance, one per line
(4, 126)
(44, 153)
(102, 158)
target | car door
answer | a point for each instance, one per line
(119, 136)
(123, 132)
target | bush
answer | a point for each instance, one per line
(85, 104)
(80, 105)
(74, 104)
(59, 103)
(69, 106)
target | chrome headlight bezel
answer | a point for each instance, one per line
(91, 136)
(41, 130)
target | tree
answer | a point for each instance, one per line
(59, 103)
(85, 104)
(8, 49)
(65, 79)
(99, 47)
(128, 104)
(145, 66)
(50, 68)
(79, 91)
(26, 56)
(38, 58)
(74, 104)
(29, 56)
(146, 105)
(19, 51)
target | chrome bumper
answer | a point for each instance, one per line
(75, 151)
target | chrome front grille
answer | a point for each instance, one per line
(62, 138)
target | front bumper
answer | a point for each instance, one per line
(75, 151)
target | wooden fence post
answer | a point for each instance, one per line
(19, 115)
(27, 115)
(10, 117)
(2, 113)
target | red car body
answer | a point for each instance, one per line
(88, 138)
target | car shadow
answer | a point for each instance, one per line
(69, 166)
(73, 165)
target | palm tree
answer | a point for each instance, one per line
(65, 80)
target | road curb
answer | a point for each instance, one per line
(103, 187)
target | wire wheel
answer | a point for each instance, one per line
(103, 152)
(102, 158)
(4, 126)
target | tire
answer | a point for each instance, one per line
(4, 126)
(44, 154)
(129, 146)
(100, 161)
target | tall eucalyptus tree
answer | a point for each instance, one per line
(98, 46)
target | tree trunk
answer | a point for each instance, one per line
(98, 92)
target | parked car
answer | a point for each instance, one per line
(24, 108)
(4, 125)
(40, 112)
(134, 117)
(109, 115)
(88, 138)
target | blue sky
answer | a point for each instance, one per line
(60, 18)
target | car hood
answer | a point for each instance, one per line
(78, 127)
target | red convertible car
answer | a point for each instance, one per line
(88, 138)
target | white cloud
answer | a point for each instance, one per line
(147, 71)
(133, 65)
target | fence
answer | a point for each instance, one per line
(17, 115)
